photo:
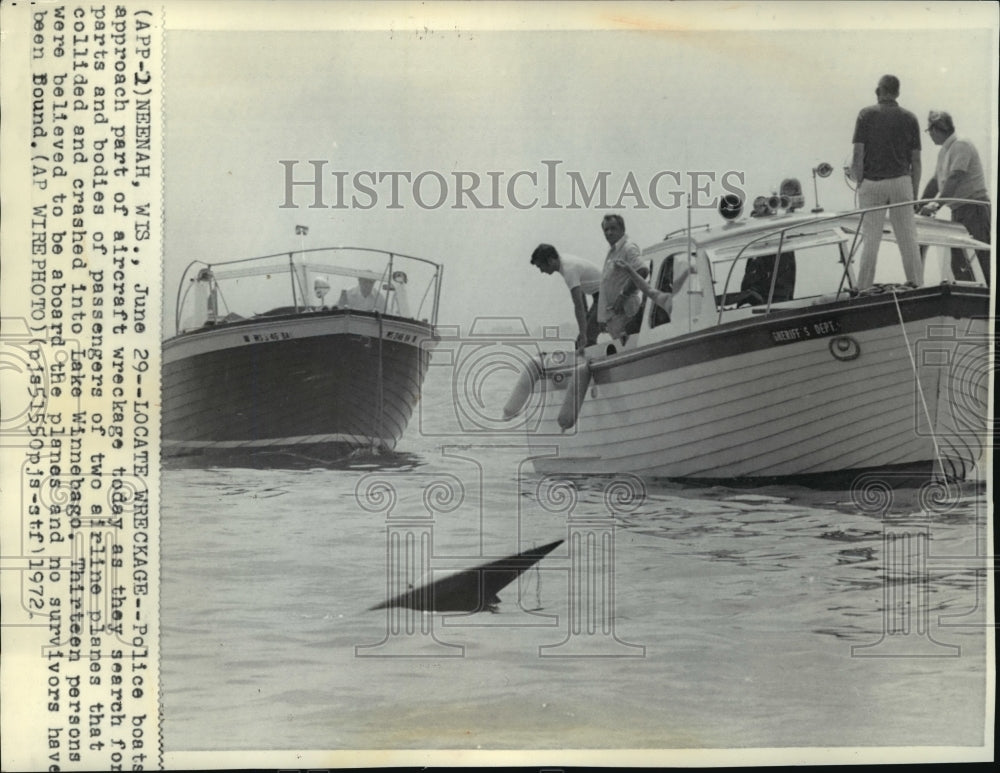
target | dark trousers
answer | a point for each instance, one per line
(976, 219)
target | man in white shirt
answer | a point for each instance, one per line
(582, 278)
(361, 298)
(959, 175)
(620, 298)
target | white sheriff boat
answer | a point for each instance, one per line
(261, 364)
(771, 366)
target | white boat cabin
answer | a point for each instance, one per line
(734, 264)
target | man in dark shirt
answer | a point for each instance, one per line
(886, 165)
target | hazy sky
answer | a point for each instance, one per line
(652, 93)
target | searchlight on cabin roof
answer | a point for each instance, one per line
(789, 197)
(820, 170)
(730, 206)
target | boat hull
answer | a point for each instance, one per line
(326, 382)
(811, 393)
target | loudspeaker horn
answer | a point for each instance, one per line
(730, 206)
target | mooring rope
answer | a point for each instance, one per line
(916, 378)
(381, 387)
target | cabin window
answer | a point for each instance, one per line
(664, 282)
(756, 274)
(821, 270)
(759, 274)
(805, 272)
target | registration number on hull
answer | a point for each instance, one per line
(260, 338)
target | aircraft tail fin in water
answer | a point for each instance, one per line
(470, 590)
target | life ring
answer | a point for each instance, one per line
(845, 348)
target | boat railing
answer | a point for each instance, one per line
(393, 271)
(686, 229)
(833, 219)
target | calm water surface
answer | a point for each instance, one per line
(739, 617)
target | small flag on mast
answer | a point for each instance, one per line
(301, 230)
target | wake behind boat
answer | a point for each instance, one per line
(772, 366)
(261, 363)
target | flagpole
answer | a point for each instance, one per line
(302, 231)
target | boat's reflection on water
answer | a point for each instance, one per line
(359, 459)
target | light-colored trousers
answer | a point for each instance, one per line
(874, 193)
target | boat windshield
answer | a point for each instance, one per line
(809, 264)
(818, 258)
(358, 279)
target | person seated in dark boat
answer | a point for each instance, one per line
(361, 297)
(756, 284)
(320, 288)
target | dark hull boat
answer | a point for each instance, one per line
(306, 379)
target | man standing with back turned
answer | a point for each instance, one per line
(886, 165)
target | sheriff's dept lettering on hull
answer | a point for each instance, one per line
(260, 338)
(820, 329)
